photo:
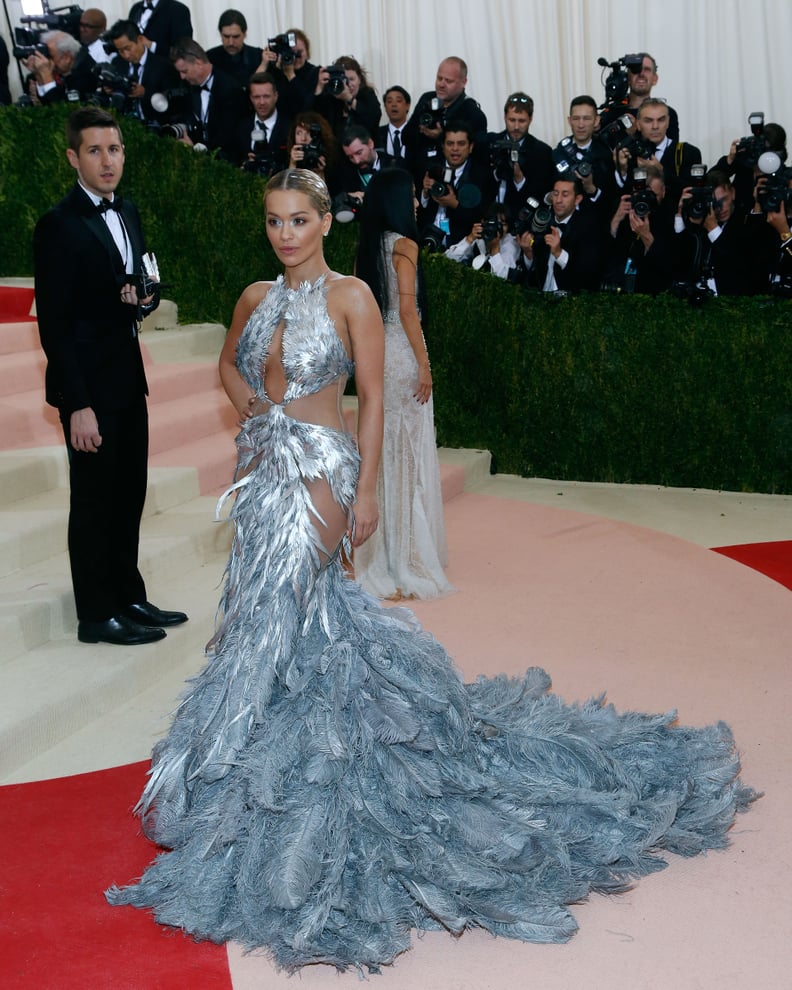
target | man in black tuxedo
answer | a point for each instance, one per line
(163, 22)
(262, 133)
(455, 190)
(87, 253)
(148, 72)
(233, 56)
(218, 101)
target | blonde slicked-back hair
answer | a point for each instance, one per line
(304, 181)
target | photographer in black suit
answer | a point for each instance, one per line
(88, 252)
(523, 165)
(66, 73)
(234, 57)
(148, 73)
(262, 133)
(217, 100)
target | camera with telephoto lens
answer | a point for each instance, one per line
(314, 150)
(701, 200)
(750, 148)
(433, 237)
(337, 81)
(346, 207)
(442, 183)
(569, 158)
(534, 217)
(504, 155)
(283, 46)
(194, 130)
(432, 115)
(642, 199)
(773, 193)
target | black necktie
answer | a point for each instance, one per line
(396, 145)
(136, 73)
(105, 204)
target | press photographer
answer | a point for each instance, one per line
(741, 163)
(675, 158)
(216, 101)
(641, 257)
(139, 74)
(714, 241)
(582, 154)
(521, 164)
(261, 135)
(631, 81)
(489, 246)
(61, 70)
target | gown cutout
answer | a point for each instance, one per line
(329, 783)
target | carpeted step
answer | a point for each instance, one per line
(18, 336)
(16, 301)
(26, 473)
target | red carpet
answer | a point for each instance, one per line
(66, 840)
(772, 559)
(15, 304)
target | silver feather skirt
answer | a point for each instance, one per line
(329, 783)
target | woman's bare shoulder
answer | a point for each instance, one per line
(347, 289)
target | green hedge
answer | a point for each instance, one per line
(593, 388)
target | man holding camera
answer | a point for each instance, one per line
(583, 154)
(287, 57)
(146, 72)
(217, 100)
(260, 137)
(715, 240)
(522, 164)
(675, 158)
(90, 297)
(454, 188)
(642, 237)
(570, 256)
(362, 161)
(641, 79)
(65, 73)
(446, 103)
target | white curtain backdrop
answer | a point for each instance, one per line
(718, 59)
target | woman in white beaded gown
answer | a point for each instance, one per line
(406, 555)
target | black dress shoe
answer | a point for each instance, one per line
(119, 630)
(146, 614)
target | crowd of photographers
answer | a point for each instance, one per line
(621, 204)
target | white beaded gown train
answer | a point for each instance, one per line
(329, 783)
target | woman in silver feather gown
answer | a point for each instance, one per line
(328, 782)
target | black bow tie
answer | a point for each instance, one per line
(109, 204)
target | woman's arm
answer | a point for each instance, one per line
(237, 389)
(405, 262)
(367, 339)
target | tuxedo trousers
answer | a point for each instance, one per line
(107, 494)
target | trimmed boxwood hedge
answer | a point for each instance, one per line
(591, 387)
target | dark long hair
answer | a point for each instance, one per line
(388, 205)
